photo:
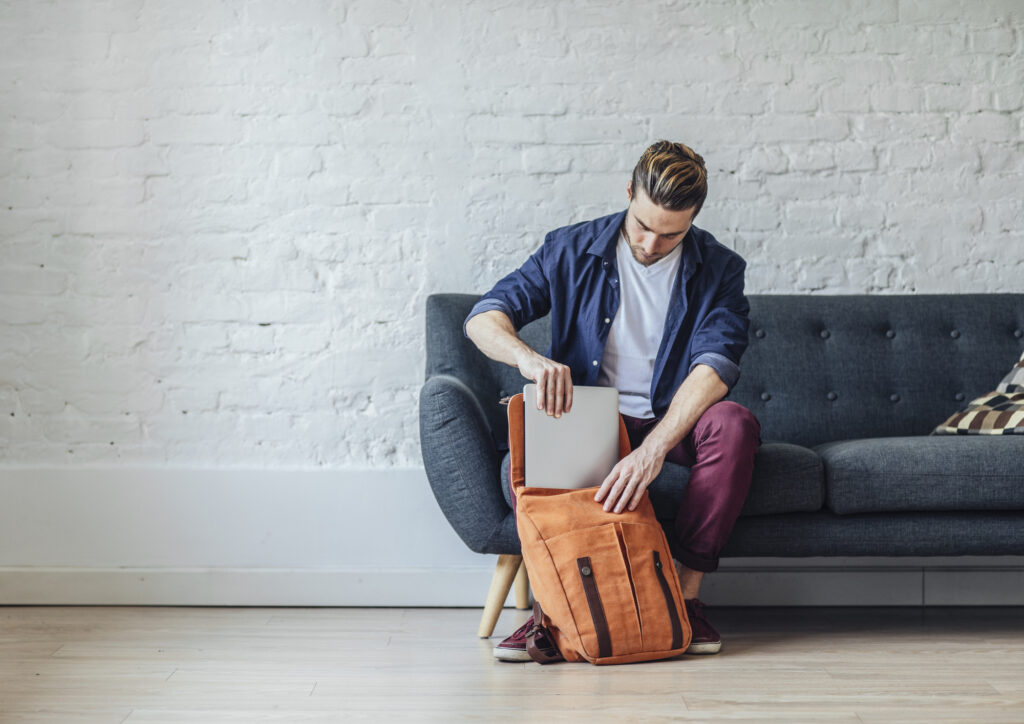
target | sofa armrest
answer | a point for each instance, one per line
(461, 462)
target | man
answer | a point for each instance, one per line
(645, 302)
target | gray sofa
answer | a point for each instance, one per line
(847, 390)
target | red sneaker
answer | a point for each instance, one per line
(514, 647)
(706, 639)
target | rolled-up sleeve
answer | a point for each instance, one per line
(722, 338)
(523, 296)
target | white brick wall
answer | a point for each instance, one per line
(219, 220)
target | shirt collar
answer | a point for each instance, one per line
(691, 249)
(604, 244)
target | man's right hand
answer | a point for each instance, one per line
(554, 382)
(494, 335)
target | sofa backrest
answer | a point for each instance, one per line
(818, 368)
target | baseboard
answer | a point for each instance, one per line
(748, 585)
(244, 587)
(217, 537)
(949, 581)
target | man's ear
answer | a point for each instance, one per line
(629, 189)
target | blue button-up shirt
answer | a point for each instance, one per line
(574, 276)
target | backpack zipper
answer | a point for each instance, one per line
(673, 611)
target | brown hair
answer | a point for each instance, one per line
(673, 176)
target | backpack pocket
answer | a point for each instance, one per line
(659, 602)
(595, 576)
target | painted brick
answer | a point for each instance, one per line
(898, 99)
(915, 154)
(375, 13)
(750, 102)
(811, 158)
(856, 156)
(1001, 41)
(988, 127)
(764, 161)
(32, 280)
(1008, 98)
(790, 99)
(847, 98)
(802, 128)
(982, 12)
(768, 69)
(903, 126)
(210, 130)
(807, 12)
(956, 97)
(95, 134)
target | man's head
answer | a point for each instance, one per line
(666, 192)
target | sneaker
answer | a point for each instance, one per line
(706, 639)
(514, 647)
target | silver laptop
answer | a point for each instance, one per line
(576, 450)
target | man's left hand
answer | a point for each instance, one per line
(626, 483)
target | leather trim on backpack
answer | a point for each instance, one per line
(673, 610)
(535, 652)
(604, 637)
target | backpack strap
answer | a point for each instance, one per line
(531, 639)
(516, 435)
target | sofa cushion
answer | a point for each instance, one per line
(787, 479)
(924, 474)
(1000, 412)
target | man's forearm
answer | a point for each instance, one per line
(494, 334)
(630, 477)
(700, 390)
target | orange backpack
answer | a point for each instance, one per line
(604, 583)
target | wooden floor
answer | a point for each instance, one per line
(71, 665)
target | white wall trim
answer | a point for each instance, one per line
(93, 536)
(765, 585)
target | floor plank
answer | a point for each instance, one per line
(144, 665)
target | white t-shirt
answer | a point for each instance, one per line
(635, 336)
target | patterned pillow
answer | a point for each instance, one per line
(998, 413)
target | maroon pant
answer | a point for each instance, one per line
(720, 454)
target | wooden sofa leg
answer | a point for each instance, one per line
(522, 588)
(501, 583)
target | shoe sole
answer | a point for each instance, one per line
(711, 647)
(516, 655)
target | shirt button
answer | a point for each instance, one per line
(894, 398)
(832, 396)
(959, 397)
(607, 320)
(1018, 333)
(955, 334)
(765, 396)
(890, 333)
(825, 334)
(759, 334)
(595, 363)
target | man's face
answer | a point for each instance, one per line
(653, 231)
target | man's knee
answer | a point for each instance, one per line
(732, 420)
